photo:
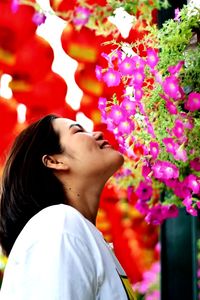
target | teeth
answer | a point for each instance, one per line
(104, 144)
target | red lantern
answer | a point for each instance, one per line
(33, 60)
(89, 106)
(45, 95)
(15, 29)
(63, 5)
(86, 79)
(82, 45)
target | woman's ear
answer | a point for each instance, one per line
(53, 162)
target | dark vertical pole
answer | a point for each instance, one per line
(179, 258)
(179, 235)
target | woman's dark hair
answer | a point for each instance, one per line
(27, 185)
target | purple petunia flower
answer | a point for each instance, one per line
(138, 77)
(171, 87)
(138, 93)
(178, 129)
(154, 149)
(154, 216)
(152, 58)
(126, 67)
(38, 18)
(146, 170)
(165, 170)
(157, 75)
(81, 15)
(175, 69)
(102, 103)
(117, 114)
(170, 145)
(129, 106)
(144, 191)
(169, 211)
(177, 15)
(15, 6)
(181, 154)
(98, 72)
(142, 206)
(126, 126)
(111, 77)
(181, 189)
(171, 107)
(193, 183)
(195, 164)
(189, 208)
(193, 102)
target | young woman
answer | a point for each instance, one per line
(50, 194)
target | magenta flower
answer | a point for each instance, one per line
(189, 208)
(150, 129)
(165, 170)
(146, 170)
(193, 183)
(195, 164)
(117, 114)
(144, 191)
(38, 18)
(126, 67)
(181, 189)
(102, 103)
(181, 154)
(154, 216)
(172, 183)
(171, 107)
(126, 126)
(98, 72)
(192, 211)
(152, 58)
(108, 58)
(139, 62)
(157, 75)
(129, 106)
(170, 145)
(154, 149)
(171, 87)
(142, 206)
(112, 77)
(81, 15)
(111, 126)
(178, 129)
(138, 77)
(175, 69)
(138, 93)
(193, 102)
(188, 120)
(169, 211)
(15, 5)
(177, 14)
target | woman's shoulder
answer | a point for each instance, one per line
(51, 222)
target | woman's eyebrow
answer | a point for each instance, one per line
(77, 125)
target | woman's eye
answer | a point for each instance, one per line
(80, 130)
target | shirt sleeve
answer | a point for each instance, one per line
(57, 270)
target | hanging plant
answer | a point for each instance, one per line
(159, 113)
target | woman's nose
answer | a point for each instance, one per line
(98, 135)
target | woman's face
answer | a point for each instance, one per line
(86, 153)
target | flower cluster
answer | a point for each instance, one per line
(99, 15)
(159, 112)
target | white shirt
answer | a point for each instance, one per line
(60, 255)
